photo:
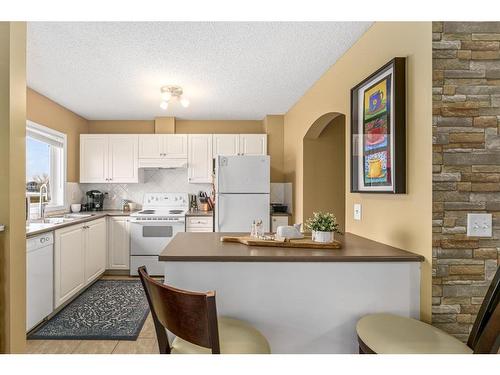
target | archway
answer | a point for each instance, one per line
(324, 167)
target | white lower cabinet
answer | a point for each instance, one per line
(277, 221)
(79, 258)
(95, 249)
(199, 224)
(118, 243)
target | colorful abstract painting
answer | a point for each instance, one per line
(376, 137)
(378, 131)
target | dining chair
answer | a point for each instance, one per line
(393, 334)
(192, 318)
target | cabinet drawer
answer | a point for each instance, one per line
(199, 222)
(199, 230)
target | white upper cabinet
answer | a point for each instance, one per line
(93, 158)
(226, 144)
(200, 158)
(123, 159)
(150, 146)
(108, 158)
(159, 146)
(175, 146)
(253, 144)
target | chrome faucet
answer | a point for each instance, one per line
(43, 188)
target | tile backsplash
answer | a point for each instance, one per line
(150, 181)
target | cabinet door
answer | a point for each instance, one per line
(253, 144)
(119, 243)
(123, 159)
(95, 249)
(69, 276)
(200, 158)
(151, 146)
(277, 221)
(226, 144)
(175, 146)
(93, 158)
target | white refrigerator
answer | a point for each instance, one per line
(242, 184)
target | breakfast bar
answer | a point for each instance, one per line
(302, 300)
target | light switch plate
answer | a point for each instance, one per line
(479, 225)
(357, 211)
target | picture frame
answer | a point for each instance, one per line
(378, 131)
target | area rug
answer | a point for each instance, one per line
(107, 310)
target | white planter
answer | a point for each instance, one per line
(319, 236)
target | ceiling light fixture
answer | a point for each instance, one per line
(172, 92)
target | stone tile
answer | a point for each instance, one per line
(452, 44)
(472, 27)
(464, 290)
(469, 159)
(443, 318)
(446, 309)
(467, 270)
(485, 55)
(486, 36)
(485, 253)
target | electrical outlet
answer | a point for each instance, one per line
(357, 211)
(479, 225)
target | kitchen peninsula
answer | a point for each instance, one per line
(302, 300)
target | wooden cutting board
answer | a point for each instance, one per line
(298, 243)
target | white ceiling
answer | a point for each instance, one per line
(236, 70)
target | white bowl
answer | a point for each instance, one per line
(76, 207)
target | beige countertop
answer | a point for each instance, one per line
(39, 228)
(200, 213)
(281, 214)
(207, 247)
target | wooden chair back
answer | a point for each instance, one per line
(189, 315)
(485, 333)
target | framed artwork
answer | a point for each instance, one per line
(378, 134)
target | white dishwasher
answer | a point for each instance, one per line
(39, 278)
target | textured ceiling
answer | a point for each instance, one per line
(114, 70)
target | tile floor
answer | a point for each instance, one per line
(145, 343)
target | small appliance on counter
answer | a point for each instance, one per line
(95, 200)
(279, 208)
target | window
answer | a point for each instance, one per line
(45, 165)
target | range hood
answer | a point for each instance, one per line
(163, 163)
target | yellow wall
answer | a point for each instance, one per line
(121, 126)
(274, 128)
(324, 173)
(402, 220)
(218, 126)
(12, 187)
(44, 111)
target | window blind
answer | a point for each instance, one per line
(44, 136)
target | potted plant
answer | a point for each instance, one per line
(323, 226)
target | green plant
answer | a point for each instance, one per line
(323, 222)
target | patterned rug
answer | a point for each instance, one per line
(107, 310)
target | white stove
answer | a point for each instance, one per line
(151, 229)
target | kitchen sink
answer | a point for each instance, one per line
(38, 226)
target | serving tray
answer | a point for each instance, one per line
(298, 243)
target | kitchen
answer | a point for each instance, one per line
(115, 183)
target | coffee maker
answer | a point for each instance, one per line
(95, 200)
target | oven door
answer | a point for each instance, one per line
(151, 238)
